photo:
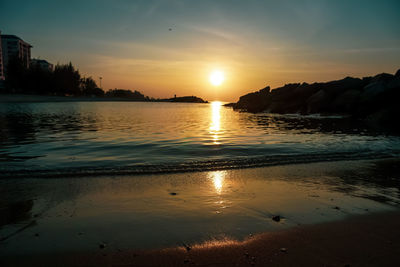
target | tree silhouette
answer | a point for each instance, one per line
(67, 80)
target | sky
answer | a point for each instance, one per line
(254, 43)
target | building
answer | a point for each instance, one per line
(13, 46)
(43, 64)
(1, 63)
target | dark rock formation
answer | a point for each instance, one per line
(185, 99)
(371, 98)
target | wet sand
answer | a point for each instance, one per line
(364, 240)
(332, 214)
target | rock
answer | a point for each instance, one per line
(173, 194)
(372, 99)
(284, 250)
(372, 90)
(102, 245)
(337, 208)
(37, 234)
(253, 260)
(383, 77)
(254, 102)
(187, 247)
(276, 218)
(346, 101)
(315, 102)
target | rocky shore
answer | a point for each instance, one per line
(374, 99)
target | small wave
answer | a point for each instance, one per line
(195, 166)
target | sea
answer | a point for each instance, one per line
(67, 139)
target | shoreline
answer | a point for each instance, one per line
(218, 165)
(25, 98)
(358, 240)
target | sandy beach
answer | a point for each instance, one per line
(331, 214)
(368, 240)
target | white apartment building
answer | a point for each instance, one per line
(43, 64)
(12, 46)
(1, 62)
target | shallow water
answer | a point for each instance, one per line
(83, 138)
(154, 211)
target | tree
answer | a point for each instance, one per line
(16, 74)
(67, 80)
(89, 87)
(40, 81)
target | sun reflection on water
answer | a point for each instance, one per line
(218, 178)
(215, 121)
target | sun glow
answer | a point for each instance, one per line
(217, 77)
(218, 178)
(215, 121)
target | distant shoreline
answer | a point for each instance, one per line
(25, 98)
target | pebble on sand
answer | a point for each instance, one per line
(276, 218)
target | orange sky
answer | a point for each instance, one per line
(162, 48)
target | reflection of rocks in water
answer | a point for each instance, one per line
(304, 124)
(382, 176)
(16, 212)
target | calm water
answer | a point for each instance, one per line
(110, 137)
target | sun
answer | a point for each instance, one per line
(217, 77)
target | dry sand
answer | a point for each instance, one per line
(366, 240)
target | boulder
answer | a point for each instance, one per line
(315, 102)
(347, 101)
(254, 102)
(372, 90)
(372, 98)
